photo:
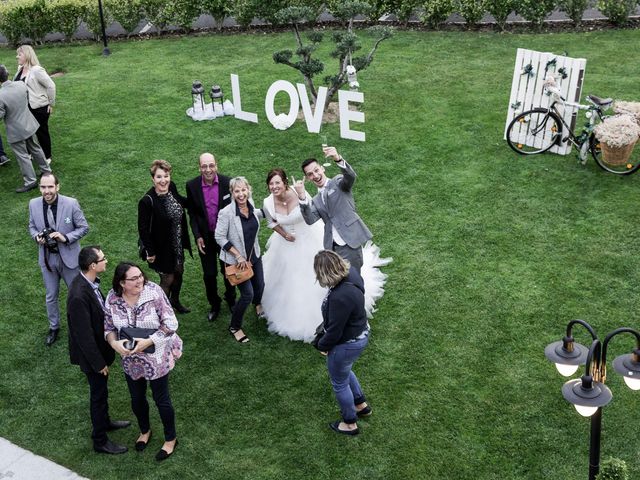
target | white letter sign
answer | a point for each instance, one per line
(313, 119)
(237, 103)
(346, 115)
(276, 120)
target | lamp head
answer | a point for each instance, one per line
(567, 355)
(586, 395)
(629, 367)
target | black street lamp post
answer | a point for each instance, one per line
(589, 393)
(105, 50)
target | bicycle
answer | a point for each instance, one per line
(543, 128)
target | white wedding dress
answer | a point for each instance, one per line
(292, 296)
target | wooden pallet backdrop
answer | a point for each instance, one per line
(529, 73)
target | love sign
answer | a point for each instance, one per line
(298, 97)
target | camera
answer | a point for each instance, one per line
(130, 344)
(49, 242)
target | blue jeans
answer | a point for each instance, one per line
(344, 382)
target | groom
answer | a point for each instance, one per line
(344, 230)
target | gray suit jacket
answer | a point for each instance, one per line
(20, 122)
(70, 222)
(229, 229)
(339, 211)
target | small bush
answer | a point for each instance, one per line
(535, 11)
(12, 22)
(617, 11)
(436, 12)
(218, 9)
(574, 9)
(500, 10)
(127, 13)
(91, 16)
(402, 9)
(471, 10)
(183, 13)
(66, 16)
(158, 12)
(613, 469)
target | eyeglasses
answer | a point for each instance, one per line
(208, 167)
(135, 279)
(103, 259)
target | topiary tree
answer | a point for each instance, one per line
(617, 11)
(435, 12)
(574, 9)
(471, 10)
(346, 44)
(500, 10)
(535, 11)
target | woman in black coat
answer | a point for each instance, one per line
(346, 334)
(162, 225)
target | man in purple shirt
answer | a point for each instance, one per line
(207, 194)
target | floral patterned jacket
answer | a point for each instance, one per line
(151, 311)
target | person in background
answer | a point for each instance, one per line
(346, 334)
(42, 93)
(21, 130)
(162, 226)
(135, 302)
(88, 348)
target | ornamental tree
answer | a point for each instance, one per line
(347, 43)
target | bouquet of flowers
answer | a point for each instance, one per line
(617, 135)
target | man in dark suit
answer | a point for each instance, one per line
(88, 348)
(344, 230)
(21, 130)
(58, 257)
(207, 194)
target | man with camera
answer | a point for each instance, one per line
(56, 223)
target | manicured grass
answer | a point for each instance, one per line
(493, 255)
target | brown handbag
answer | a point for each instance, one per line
(236, 276)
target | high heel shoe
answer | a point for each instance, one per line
(242, 339)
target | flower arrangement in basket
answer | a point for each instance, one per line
(617, 135)
(628, 108)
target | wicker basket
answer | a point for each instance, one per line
(616, 156)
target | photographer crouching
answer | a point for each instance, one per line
(56, 223)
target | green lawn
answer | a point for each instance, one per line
(493, 255)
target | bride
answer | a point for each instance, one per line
(292, 297)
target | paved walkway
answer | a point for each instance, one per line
(19, 464)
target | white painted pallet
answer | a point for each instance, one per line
(527, 92)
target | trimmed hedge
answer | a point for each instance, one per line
(33, 19)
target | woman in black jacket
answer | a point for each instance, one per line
(346, 334)
(162, 225)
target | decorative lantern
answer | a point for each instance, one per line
(352, 77)
(217, 100)
(197, 95)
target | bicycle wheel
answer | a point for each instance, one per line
(612, 165)
(534, 131)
